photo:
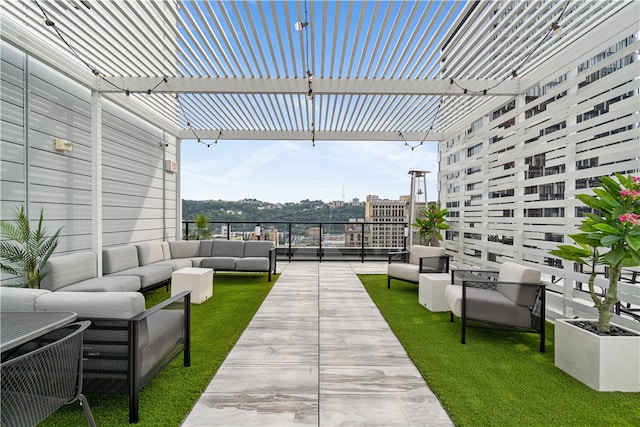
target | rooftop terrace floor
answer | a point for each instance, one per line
(318, 353)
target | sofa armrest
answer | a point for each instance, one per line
(272, 261)
(434, 263)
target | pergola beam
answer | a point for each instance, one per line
(207, 135)
(341, 86)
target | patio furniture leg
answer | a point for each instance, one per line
(87, 410)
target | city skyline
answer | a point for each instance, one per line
(291, 171)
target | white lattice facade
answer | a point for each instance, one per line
(510, 171)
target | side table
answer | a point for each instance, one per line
(431, 288)
(197, 280)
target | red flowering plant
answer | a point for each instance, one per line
(432, 222)
(610, 236)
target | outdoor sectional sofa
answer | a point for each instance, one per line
(148, 265)
(125, 345)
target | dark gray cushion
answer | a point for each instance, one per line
(149, 274)
(149, 252)
(512, 272)
(184, 249)
(228, 248)
(205, 248)
(257, 248)
(252, 264)
(176, 264)
(219, 263)
(116, 305)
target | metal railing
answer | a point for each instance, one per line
(312, 240)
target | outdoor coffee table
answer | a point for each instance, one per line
(197, 280)
(431, 288)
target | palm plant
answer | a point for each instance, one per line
(610, 237)
(25, 251)
(202, 225)
(432, 223)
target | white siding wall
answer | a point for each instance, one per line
(138, 196)
(510, 173)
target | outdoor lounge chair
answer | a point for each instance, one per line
(44, 375)
(513, 298)
(407, 265)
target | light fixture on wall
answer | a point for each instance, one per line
(62, 145)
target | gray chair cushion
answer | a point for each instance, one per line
(512, 272)
(185, 249)
(228, 248)
(19, 299)
(149, 274)
(219, 263)
(68, 269)
(119, 259)
(257, 248)
(111, 283)
(252, 264)
(149, 252)
(402, 271)
(116, 305)
(419, 251)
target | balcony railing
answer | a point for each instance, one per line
(312, 240)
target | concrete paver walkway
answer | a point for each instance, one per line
(318, 353)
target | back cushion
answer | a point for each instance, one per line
(116, 305)
(516, 273)
(118, 259)
(166, 251)
(205, 247)
(184, 249)
(148, 253)
(419, 251)
(19, 299)
(257, 248)
(68, 269)
(228, 248)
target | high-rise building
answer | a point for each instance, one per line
(389, 217)
(355, 232)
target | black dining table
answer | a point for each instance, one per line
(18, 327)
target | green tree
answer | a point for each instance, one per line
(432, 222)
(202, 225)
(25, 251)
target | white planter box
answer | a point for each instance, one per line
(603, 363)
(198, 280)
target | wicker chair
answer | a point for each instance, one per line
(42, 376)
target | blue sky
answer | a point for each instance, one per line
(290, 171)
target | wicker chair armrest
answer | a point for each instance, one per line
(395, 256)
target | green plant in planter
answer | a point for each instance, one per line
(609, 236)
(25, 251)
(432, 223)
(202, 225)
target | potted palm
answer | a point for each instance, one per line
(610, 237)
(202, 225)
(432, 222)
(25, 251)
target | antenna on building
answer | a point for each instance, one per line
(417, 178)
(342, 193)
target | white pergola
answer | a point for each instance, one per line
(239, 69)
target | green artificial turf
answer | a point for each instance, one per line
(497, 378)
(216, 325)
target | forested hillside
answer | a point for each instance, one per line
(255, 210)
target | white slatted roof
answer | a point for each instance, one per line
(240, 67)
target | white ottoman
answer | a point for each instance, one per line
(197, 280)
(431, 288)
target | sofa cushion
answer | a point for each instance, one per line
(488, 306)
(205, 248)
(516, 273)
(176, 264)
(19, 299)
(420, 251)
(68, 269)
(252, 264)
(110, 305)
(149, 252)
(257, 248)
(228, 248)
(149, 274)
(219, 263)
(111, 283)
(185, 249)
(119, 259)
(166, 251)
